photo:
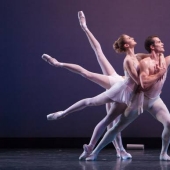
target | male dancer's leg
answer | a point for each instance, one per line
(159, 110)
(125, 120)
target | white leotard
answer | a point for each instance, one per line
(123, 91)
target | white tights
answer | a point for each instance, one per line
(115, 110)
(94, 101)
(158, 109)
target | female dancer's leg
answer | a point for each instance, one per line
(107, 69)
(99, 79)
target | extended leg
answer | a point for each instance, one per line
(103, 62)
(99, 79)
(161, 113)
(95, 101)
(117, 142)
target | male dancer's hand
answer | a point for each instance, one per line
(160, 70)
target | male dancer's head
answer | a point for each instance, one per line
(153, 43)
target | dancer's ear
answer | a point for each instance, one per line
(152, 47)
(126, 45)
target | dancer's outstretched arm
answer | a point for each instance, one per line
(105, 65)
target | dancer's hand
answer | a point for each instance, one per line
(160, 70)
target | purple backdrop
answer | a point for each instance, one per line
(30, 88)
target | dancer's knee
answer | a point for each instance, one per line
(167, 124)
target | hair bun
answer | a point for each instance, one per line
(119, 44)
(116, 47)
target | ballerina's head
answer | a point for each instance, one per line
(123, 43)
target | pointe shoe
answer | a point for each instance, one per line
(52, 61)
(164, 157)
(82, 20)
(56, 116)
(91, 157)
(125, 155)
(87, 151)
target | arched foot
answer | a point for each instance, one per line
(52, 61)
(87, 151)
(82, 20)
(125, 155)
(91, 157)
(56, 116)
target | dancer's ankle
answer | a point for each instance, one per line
(91, 146)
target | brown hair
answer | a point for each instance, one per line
(148, 42)
(118, 45)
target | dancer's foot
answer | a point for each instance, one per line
(52, 61)
(82, 20)
(117, 152)
(91, 157)
(56, 116)
(125, 155)
(87, 151)
(164, 157)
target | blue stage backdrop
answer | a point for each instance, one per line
(30, 88)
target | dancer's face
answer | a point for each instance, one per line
(130, 41)
(158, 45)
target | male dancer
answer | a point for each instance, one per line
(152, 103)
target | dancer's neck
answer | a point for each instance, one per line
(130, 52)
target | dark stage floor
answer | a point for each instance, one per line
(63, 159)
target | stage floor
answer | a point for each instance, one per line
(67, 159)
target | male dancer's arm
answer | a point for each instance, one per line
(146, 79)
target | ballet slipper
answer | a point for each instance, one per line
(125, 155)
(82, 20)
(56, 116)
(87, 151)
(164, 157)
(52, 61)
(91, 157)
